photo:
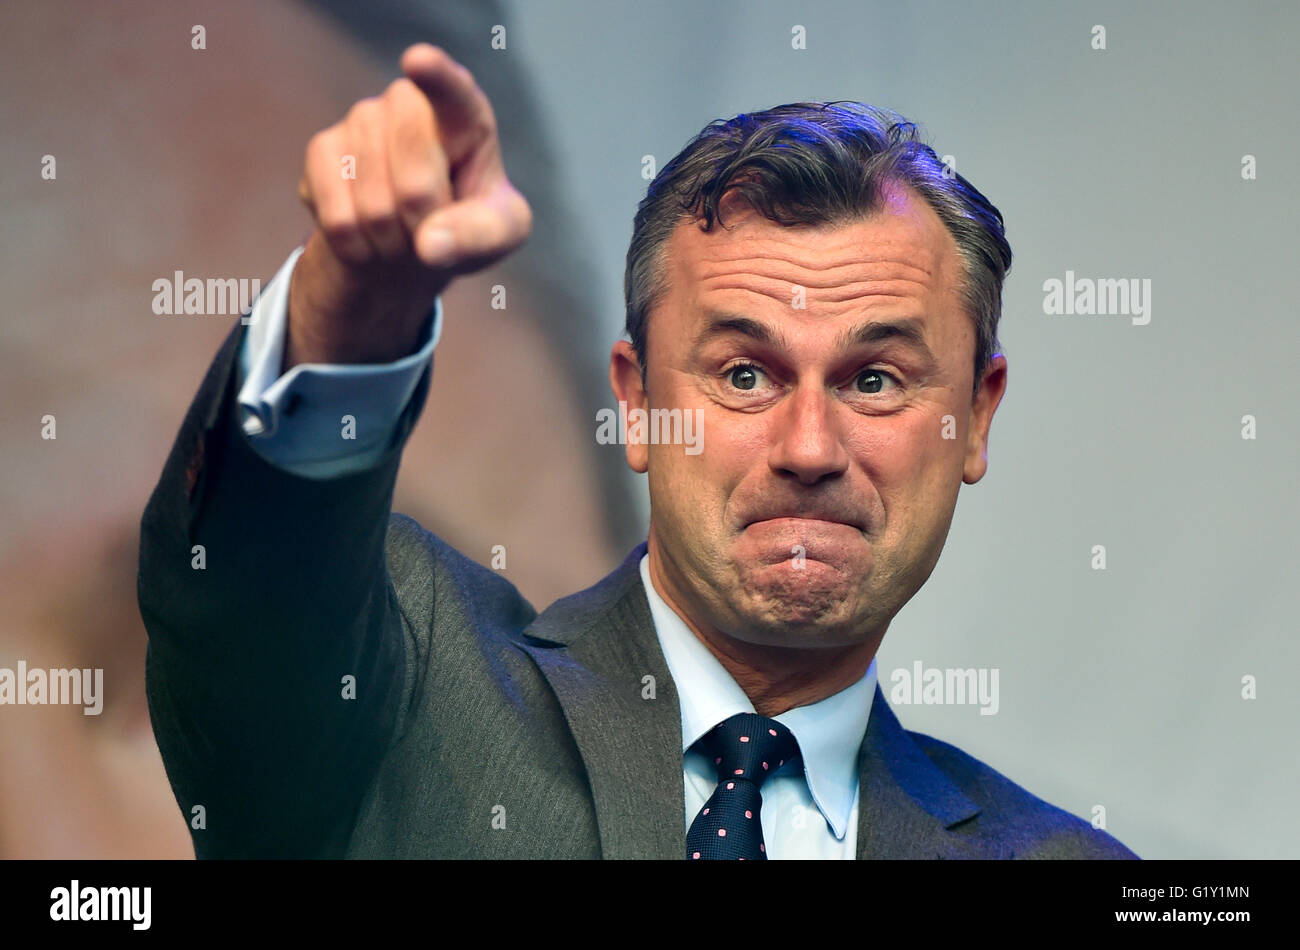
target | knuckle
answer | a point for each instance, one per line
(417, 184)
(339, 228)
(365, 112)
(412, 200)
(318, 147)
(487, 120)
(378, 218)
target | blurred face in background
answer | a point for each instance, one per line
(148, 180)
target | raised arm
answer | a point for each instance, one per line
(277, 666)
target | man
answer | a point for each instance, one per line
(816, 296)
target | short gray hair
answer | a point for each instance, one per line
(815, 163)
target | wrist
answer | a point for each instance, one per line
(342, 314)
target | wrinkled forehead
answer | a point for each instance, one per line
(899, 261)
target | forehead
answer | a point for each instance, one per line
(900, 260)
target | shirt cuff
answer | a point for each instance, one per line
(321, 420)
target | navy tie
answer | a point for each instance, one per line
(745, 749)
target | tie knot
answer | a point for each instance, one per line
(749, 746)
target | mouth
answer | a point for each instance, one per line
(806, 519)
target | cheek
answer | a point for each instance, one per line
(890, 450)
(698, 480)
(914, 469)
(684, 485)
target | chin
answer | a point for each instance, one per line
(790, 606)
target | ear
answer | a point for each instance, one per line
(992, 385)
(625, 380)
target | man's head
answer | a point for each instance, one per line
(822, 294)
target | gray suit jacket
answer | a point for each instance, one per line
(332, 680)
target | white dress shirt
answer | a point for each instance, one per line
(321, 420)
(810, 805)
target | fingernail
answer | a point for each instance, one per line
(436, 246)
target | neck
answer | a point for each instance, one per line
(777, 679)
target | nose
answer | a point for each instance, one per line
(806, 442)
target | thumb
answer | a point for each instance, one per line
(473, 232)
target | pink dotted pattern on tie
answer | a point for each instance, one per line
(729, 826)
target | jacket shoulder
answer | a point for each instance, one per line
(461, 621)
(429, 575)
(1012, 820)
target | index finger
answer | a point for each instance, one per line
(466, 123)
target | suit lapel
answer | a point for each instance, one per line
(906, 805)
(595, 648)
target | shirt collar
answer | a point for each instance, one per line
(829, 732)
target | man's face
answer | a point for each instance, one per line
(829, 373)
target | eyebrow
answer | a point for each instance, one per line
(909, 331)
(724, 323)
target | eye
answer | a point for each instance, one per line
(744, 376)
(873, 380)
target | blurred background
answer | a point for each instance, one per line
(1116, 153)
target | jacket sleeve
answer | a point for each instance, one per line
(275, 665)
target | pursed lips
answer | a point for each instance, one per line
(831, 517)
